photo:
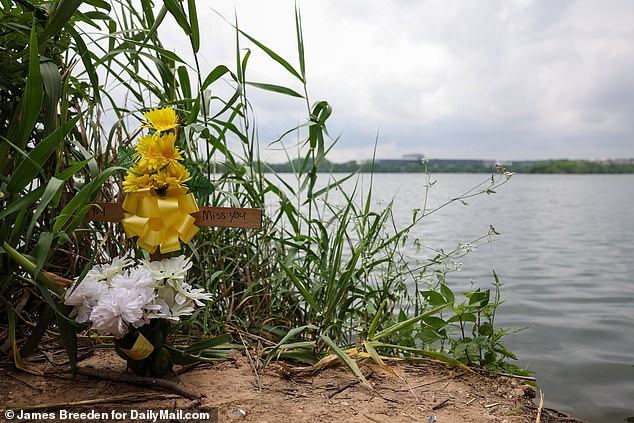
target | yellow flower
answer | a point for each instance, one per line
(154, 152)
(165, 146)
(134, 181)
(174, 175)
(149, 158)
(161, 119)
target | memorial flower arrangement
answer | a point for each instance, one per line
(137, 304)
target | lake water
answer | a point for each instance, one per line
(565, 254)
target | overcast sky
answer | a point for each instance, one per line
(505, 80)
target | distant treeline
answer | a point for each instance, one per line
(450, 166)
(574, 166)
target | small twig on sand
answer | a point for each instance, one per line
(440, 405)
(135, 397)
(139, 380)
(254, 365)
(24, 382)
(557, 415)
(348, 385)
(372, 418)
(540, 408)
(531, 378)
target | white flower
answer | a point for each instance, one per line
(109, 270)
(114, 296)
(195, 294)
(119, 307)
(114, 311)
(170, 309)
(137, 277)
(174, 268)
(83, 296)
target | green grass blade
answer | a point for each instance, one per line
(300, 286)
(193, 23)
(68, 333)
(22, 203)
(29, 266)
(300, 42)
(52, 188)
(174, 8)
(373, 353)
(289, 335)
(78, 203)
(328, 188)
(345, 358)
(377, 318)
(101, 4)
(17, 232)
(208, 343)
(43, 285)
(276, 89)
(17, 358)
(53, 90)
(28, 168)
(273, 55)
(431, 354)
(38, 332)
(41, 251)
(236, 96)
(215, 74)
(63, 11)
(183, 79)
(87, 60)
(408, 323)
(33, 94)
(182, 357)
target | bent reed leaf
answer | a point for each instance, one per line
(275, 88)
(349, 362)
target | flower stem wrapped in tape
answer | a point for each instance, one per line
(160, 221)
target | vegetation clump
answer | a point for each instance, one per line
(329, 272)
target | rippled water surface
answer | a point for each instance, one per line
(566, 255)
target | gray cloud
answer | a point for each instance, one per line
(498, 79)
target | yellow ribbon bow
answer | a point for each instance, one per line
(160, 221)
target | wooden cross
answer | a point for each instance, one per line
(218, 217)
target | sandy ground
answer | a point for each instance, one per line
(420, 392)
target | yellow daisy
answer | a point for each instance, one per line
(148, 156)
(174, 175)
(161, 119)
(166, 147)
(134, 182)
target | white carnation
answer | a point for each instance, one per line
(83, 296)
(137, 277)
(120, 307)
